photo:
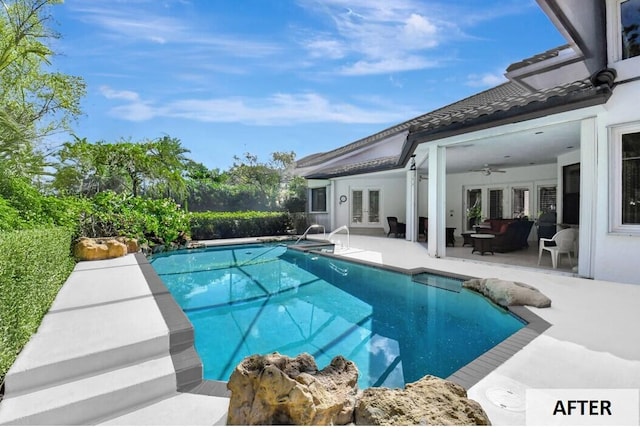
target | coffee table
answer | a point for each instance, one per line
(482, 243)
(466, 236)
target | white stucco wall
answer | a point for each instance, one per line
(616, 256)
(392, 197)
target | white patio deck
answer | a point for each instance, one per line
(594, 340)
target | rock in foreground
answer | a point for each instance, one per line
(429, 401)
(277, 390)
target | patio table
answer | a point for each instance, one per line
(482, 243)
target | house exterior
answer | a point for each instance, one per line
(563, 133)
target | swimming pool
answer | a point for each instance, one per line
(256, 299)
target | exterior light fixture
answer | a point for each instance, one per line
(413, 163)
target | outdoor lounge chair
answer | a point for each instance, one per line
(395, 227)
(563, 242)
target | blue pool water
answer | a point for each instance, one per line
(257, 299)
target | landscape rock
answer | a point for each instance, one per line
(277, 390)
(430, 401)
(508, 293)
(132, 244)
(87, 249)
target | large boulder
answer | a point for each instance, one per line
(87, 249)
(132, 244)
(429, 401)
(277, 390)
(508, 293)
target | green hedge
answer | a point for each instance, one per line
(227, 225)
(113, 214)
(34, 264)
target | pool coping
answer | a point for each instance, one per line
(186, 361)
(189, 368)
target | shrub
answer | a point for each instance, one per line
(225, 225)
(33, 266)
(23, 206)
(115, 214)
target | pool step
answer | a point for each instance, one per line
(103, 348)
(91, 399)
(176, 410)
(89, 340)
(441, 282)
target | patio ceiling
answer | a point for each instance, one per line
(538, 146)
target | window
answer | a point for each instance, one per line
(631, 179)
(474, 207)
(319, 199)
(625, 178)
(495, 204)
(546, 199)
(520, 203)
(623, 37)
(630, 28)
(571, 194)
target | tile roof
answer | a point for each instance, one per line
(501, 102)
(485, 97)
(373, 165)
(537, 58)
(505, 97)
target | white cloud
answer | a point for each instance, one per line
(419, 28)
(328, 48)
(138, 22)
(374, 34)
(388, 65)
(485, 80)
(378, 37)
(112, 94)
(277, 109)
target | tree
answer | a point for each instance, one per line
(155, 168)
(270, 179)
(34, 101)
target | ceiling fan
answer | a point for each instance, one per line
(487, 170)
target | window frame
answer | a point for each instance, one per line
(538, 189)
(625, 68)
(312, 202)
(615, 178)
(527, 199)
(500, 204)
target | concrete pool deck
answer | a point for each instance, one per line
(102, 354)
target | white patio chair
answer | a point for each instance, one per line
(564, 243)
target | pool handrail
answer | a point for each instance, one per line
(304, 235)
(344, 227)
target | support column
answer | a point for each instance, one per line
(412, 206)
(588, 195)
(437, 201)
(334, 205)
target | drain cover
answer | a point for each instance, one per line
(506, 399)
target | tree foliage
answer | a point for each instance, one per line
(34, 101)
(155, 168)
(271, 180)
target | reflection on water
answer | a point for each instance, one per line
(261, 299)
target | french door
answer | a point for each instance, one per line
(365, 207)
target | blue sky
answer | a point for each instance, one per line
(233, 76)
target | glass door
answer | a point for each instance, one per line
(365, 207)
